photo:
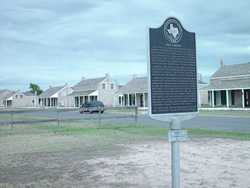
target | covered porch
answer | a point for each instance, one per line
(133, 99)
(81, 97)
(48, 102)
(229, 98)
(7, 103)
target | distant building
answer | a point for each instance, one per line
(25, 99)
(135, 92)
(101, 89)
(6, 98)
(202, 94)
(230, 87)
(56, 97)
(17, 99)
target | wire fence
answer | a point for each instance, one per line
(59, 116)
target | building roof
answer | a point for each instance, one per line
(81, 93)
(201, 82)
(136, 85)
(232, 70)
(5, 94)
(140, 85)
(228, 84)
(51, 91)
(28, 93)
(88, 84)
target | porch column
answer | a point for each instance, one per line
(243, 98)
(212, 98)
(227, 96)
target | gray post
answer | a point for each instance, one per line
(175, 156)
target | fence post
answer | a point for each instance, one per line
(136, 115)
(11, 119)
(99, 117)
(58, 120)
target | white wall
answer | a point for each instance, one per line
(203, 97)
(107, 95)
(64, 98)
(20, 100)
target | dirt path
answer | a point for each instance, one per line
(78, 162)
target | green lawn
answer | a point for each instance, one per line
(130, 131)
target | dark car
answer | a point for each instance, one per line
(93, 106)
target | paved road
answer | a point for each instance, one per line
(239, 124)
(211, 123)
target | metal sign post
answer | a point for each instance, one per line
(175, 135)
(172, 75)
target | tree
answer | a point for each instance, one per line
(34, 88)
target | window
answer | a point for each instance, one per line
(112, 86)
(209, 97)
(232, 97)
(21, 96)
(120, 100)
(223, 97)
(16, 96)
(85, 98)
(103, 86)
(215, 98)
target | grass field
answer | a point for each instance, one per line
(109, 130)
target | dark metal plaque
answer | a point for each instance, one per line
(173, 74)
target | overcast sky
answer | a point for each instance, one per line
(51, 42)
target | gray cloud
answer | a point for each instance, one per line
(60, 41)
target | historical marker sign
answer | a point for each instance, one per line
(172, 69)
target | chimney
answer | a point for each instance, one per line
(107, 75)
(83, 78)
(221, 63)
(199, 76)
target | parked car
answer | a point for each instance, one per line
(93, 106)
